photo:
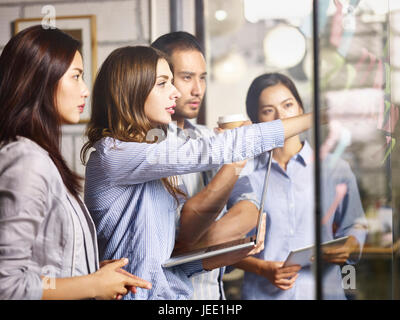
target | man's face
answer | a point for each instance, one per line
(190, 79)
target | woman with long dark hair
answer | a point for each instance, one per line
(48, 246)
(289, 205)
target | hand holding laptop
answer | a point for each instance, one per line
(340, 254)
(232, 257)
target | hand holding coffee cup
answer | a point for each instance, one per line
(231, 121)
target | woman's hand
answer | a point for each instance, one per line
(113, 282)
(339, 255)
(282, 277)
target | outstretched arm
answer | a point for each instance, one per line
(142, 162)
(294, 125)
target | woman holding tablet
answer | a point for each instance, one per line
(289, 205)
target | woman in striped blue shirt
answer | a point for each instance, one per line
(130, 188)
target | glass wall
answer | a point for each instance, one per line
(356, 87)
(358, 162)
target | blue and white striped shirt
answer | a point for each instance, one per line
(134, 213)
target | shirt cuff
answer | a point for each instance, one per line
(26, 286)
(248, 197)
(34, 287)
(192, 268)
(272, 134)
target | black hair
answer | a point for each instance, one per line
(179, 40)
(262, 82)
(31, 66)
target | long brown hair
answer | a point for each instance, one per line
(121, 88)
(31, 65)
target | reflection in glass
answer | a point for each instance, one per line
(360, 84)
(355, 86)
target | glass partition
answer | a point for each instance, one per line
(357, 143)
(359, 81)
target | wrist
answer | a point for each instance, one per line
(237, 166)
(259, 270)
(92, 286)
(231, 171)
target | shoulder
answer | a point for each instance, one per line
(109, 144)
(24, 164)
(202, 130)
(338, 168)
(200, 127)
(110, 149)
(336, 163)
(24, 151)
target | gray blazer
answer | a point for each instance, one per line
(37, 229)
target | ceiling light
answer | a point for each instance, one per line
(284, 47)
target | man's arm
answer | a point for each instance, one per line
(235, 224)
(201, 210)
(236, 256)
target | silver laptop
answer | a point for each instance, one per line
(229, 246)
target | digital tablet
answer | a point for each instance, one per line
(305, 256)
(210, 251)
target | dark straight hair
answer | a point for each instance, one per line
(262, 82)
(31, 65)
(174, 41)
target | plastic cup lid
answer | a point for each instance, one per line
(232, 118)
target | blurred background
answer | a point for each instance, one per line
(359, 49)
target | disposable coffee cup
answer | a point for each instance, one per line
(231, 121)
